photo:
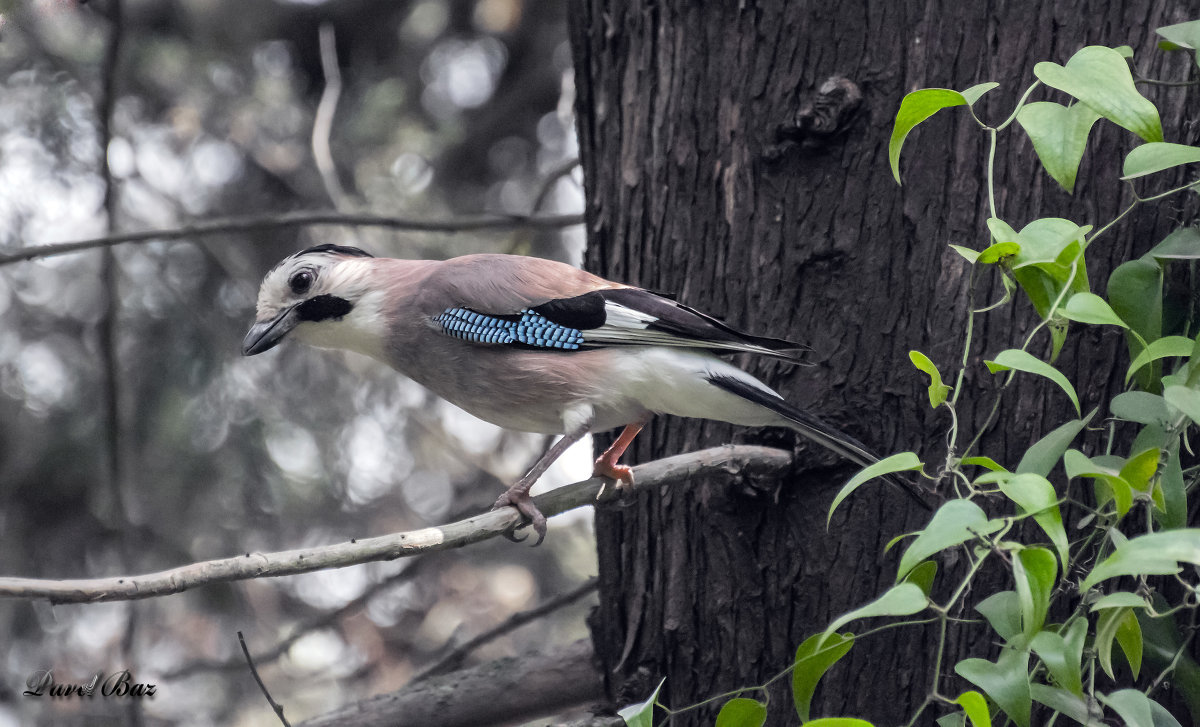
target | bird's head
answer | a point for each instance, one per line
(321, 296)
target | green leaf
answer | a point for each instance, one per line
(1129, 636)
(1034, 494)
(1060, 700)
(954, 523)
(742, 712)
(642, 714)
(1120, 599)
(1140, 468)
(1165, 347)
(1079, 465)
(993, 253)
(974, 93)
(966, 252)
(1006, 681)
(1135, 291)
(1163, 718)
(904, 599)
(1003, 611)
(937, 389)
(1002, 231)
(1091, 308)
(1182, 244)
(954, 719)
(923, 576)
(1100, 78)
(1063, 655)
(1035, 571)
(812, 661)
(1151, 554)
(1059, 135)
(1174, 491)
(985, 462)
(1185, 400)
(1140, 406)
(900, 462)
(1157, 156)
(1045, 453)
(1015, 358)
(1106, 635)
(975, 707)
(1051, 248)
(1131, 705)
(920, 105)
(1181, 36)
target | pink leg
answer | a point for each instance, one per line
(606, 464)
(518, 495)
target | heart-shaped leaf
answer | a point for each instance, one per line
(1006, 681)
(1059, 135)
(920, 105)
(1157, 156)
(1100, 78)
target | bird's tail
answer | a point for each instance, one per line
(813, 428)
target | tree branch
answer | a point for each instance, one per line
(509, 691)
(454, 657)
(323, 121)
(259, 223)
(276, 706)
(319, 621)
(731, 460)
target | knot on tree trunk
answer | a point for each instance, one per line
(821, 115)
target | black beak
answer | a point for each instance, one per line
(263, 335)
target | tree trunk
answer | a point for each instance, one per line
(736, 154)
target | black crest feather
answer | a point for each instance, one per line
(335, 250)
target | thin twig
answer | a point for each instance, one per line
(454, 658)
(323, 120)
(725, 461)
(548, 182)
(260, 223)
(274, 705)
(315, 623)
(106, 328)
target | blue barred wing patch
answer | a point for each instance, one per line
(527, 328)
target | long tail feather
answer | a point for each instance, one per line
(815, 429)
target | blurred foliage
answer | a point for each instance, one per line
(447, 108)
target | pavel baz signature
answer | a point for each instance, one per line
(118, 684)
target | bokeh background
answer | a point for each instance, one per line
(134, 437)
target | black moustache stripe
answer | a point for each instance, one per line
(323, 308)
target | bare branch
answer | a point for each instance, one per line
(319, 621)
(728, 460)
(509, 691)
(274, 705)
(259, 223)
(323, 121)
(454, 658)
(562, 170)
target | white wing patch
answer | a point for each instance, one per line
(625, 325)
(619, 316)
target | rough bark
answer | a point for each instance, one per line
(508, 691)
(722, 164)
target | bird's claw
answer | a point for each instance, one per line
(621, 475)
(524, 505)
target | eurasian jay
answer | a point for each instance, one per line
(533, 345)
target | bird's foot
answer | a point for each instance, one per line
(518, 497)
(620, 474)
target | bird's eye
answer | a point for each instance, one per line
(301, 282)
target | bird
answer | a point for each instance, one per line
(534, 345)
